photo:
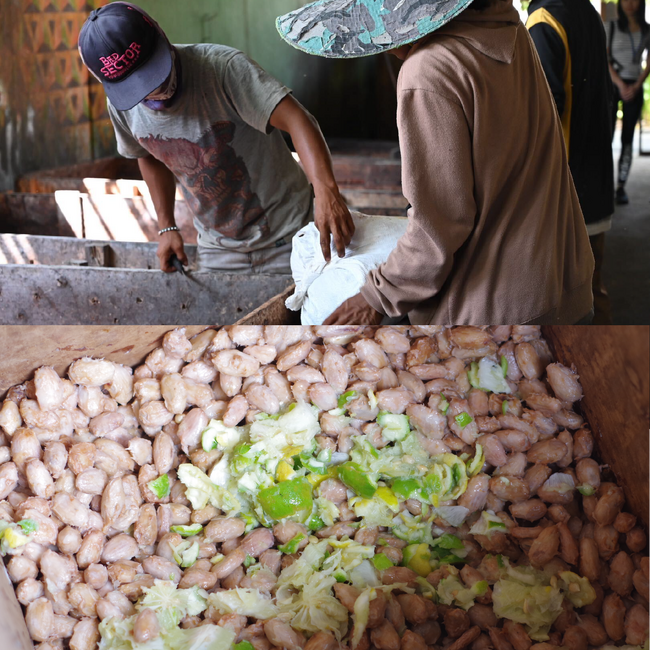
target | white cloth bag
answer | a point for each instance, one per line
(321, 287)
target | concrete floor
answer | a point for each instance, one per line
(627, 245)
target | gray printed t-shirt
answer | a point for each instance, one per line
(235, 171)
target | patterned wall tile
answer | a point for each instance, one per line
(47, 88)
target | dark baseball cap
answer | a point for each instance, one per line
(127, 51)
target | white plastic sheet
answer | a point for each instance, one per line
(321, 287)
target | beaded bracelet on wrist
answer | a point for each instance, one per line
(170, 229)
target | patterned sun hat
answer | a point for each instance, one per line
(345, 29)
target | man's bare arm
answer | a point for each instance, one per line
(162, 187)
(331, 214)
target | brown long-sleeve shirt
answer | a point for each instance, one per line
(495, 233)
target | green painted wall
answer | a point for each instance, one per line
(353, 98)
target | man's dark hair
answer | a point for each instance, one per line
(623, 23)
(481, 5)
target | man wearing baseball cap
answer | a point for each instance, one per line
(495, 232)
(210, 118)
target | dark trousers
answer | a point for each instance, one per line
(602, 310)
(631, 114)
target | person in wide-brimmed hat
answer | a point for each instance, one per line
(495, 231)
(209, 117)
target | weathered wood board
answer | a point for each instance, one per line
(69, 295)
(66, 251)
(33, 214)
(14, 633)
(26, 348)
(273, 312)
(356, 163)
(70, 213)
(614, 367)
(121, 210)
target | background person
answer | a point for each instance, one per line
(495, 231)
(210, 117)
(628, 40)
(570, 39)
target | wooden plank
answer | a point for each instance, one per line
(356, 164)
(32, 214)
(68, 295)
(70, 213)
(12, 620)
(110, 167)
(27, 348)
(367, 172)
(367, 148)
(63, 251)
(99, 255)
(374, 198)
(273, 312)
(126, 213)
(125, 187)
(378, 202)
(128, 218)
(614, 367)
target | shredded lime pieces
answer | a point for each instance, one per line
(243, 645)
(577, 589)
(472, 375)
(463, 419)
(381, 562)
(160, 486)
(407, 488)
(417, 557)
(353, 476)
(393, 426)
(475, 465)
(347, 397)
(284, 471)
(292, 545)
(187, 531)
(287, 499)
(28, 526)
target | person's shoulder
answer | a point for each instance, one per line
(116, 114)
(559, 10)
(207, 53)
(436, 51)
(432, 62)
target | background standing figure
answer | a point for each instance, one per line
(570, 40)
(628, 40)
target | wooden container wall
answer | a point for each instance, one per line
(614, 367)
(26, 348)
(613, 363)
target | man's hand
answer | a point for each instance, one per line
(355, 311)
(627, 92)
(332, 217)
(635, 88)
(171, 243)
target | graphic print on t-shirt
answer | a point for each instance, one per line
(215, 180)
